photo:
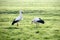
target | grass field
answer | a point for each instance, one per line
(49, 11)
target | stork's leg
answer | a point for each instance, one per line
(37, 24)
(32, 22)
(17, 24)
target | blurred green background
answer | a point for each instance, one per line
(29, 4)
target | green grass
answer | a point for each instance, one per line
(27, 31)
(48, 10)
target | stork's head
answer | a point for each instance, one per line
(21, 11)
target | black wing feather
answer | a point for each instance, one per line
(14, 21)
(41, 21)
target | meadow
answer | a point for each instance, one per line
(27, 31)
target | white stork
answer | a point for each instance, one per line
(16, 20)
(37, 20)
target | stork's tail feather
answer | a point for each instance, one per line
(12, 23)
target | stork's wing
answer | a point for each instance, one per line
(14, 21)
(41, 21)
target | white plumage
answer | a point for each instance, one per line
(38, 20)
(35, 20)
(16, 20)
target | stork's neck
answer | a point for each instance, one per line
(20, 14)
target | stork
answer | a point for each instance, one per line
(16, 20)
(38, 20)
